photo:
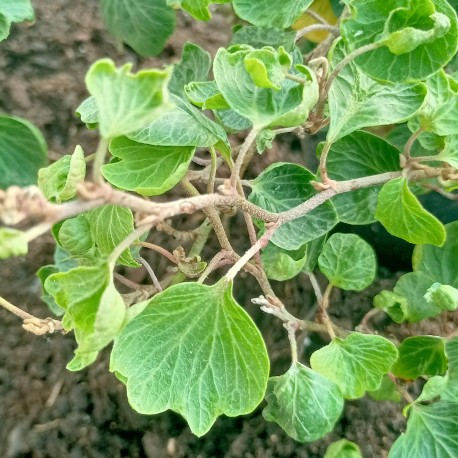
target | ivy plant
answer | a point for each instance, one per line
(375, 81)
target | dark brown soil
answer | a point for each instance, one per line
(46, 411)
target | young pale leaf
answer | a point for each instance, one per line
(283, 186)
(144, 25)
(402, 215)
(440, 110)
(126, 101)
(420, 355)
(343, 449)
(271, 13)
(286, 107)
(449, 153)
(14, 11)
(193, 350)
(348, 262)
(23, 152)
(357, 101)
(264, 140)
(444, 296)
(358, 155)
(88, 112)
(280, 264)
(206, 95)
(92, 305)
(146, 169)
(356, 364)
(59, 181)
(12, 243)
(373, 21)
(387, 391)
(258, 37)
(196, 8)
(110, 225)
(304, 403)
(81, 360)
(195, 65)
(431, 432)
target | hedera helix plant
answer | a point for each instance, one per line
(183, 342)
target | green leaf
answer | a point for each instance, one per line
(431, 432)
(12, 243)
(196, 8)
(402, 215)
(110, 225)
(88, 112)
(81, 360)
(343, 449)
(232, 121)
(271, 13)
(348, 262)
(206, 95)
(264, 140)
(142, 24)
(450, 392)
(184, 125)
(358, 155)
(258, 37)
(357, 101)
(282, 265)
(92, 305)
(420, 355)
(126, 101)
(75, 236)
(433, 388)
(356, 364)
(314, 248)
(14, 11)
(195, 65)
(283, 186)
(387, 391)
(304, 403)
(371, 18)
(59, 181)
(444, 296)
(193, 350)
(287, 107)
(450, 152)
(23, 152)
(146, 169)
(440, 110)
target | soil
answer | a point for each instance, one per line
(46, 411)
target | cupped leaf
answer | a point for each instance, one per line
(193, 350)
(195, 65)
(146, 169)
(402, 215)
(206, 95)
(12, 243)
(93, 307)
(14, 11)
(421, 56)
(283, 186)
(280, 264)
(258, 37)
(348, 262)
(357, 101)
(23, 152)
(126, 101)
(431, 264)
(110, 225)
(304, 403)
(420, 355)
(75, 236)
(271, 13)
(358, 155)
(288, 106)
(196, 8)
(431, 431)
(59, 181)
(343, 449)
(142, 24)
(356, 364)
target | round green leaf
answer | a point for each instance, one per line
(23, 152)
(343, 449)
(304, 403)
(280, 264)
(348, 262)
(356, 364)
(193, 350)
